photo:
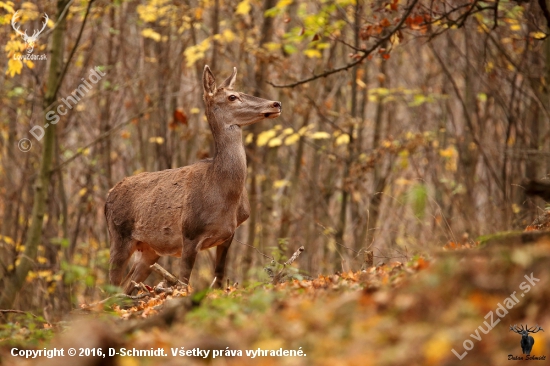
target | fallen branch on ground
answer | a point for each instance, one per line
(171, 280)
(117, 296)
(4, 311)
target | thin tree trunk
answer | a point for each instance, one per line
(260, 77)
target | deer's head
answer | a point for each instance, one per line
(227, 108)
(30, 40)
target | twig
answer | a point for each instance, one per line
(277, 278)
(118, 296)
(256, 249)
(294, 256)
(161, 289)
(140, 286)
(4, 311)
(62, 75)
(98, 139)
(365, 52)
(170, 278)
(60, 18)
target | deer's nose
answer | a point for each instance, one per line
(277, 105)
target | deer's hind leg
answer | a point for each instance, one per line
(141, 269)
(121, 250)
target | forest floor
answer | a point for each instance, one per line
(415, 313)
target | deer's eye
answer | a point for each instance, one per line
(232, 98)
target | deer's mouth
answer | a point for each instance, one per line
(272, 114)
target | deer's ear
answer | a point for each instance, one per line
(208, 81)
(230, 81)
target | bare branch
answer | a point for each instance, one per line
(295, 256)
(5, 311)
(365, 52)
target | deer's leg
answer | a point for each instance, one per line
(187, 261)
(120, 253)
(221, 256)
(141, 268)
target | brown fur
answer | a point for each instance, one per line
(181, 211)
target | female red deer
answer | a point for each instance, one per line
(181, 211)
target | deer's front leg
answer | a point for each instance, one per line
(187, 261)
(221, 256)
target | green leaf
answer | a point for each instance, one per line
(418, 196)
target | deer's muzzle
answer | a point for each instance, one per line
(278, 109)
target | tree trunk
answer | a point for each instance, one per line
(260, 76)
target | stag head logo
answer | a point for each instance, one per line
(30, 40)
(527, 341)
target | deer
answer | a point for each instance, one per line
(179, 212)
(527, 341)
(30, 40)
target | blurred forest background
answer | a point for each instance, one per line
(406, 125)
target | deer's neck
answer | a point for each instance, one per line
(229, 165)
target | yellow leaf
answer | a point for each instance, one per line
(31, 275)
(149, 33)
(14, 46)
(243, 7)
(195, 53)
(437, 348)
(129, 361)
(537, 35)
(29, 64)
(292, 139)
(313, 53)
(275, 142)
(320, 135)
(228, 35)
(147, 13)
(156, 140)
(515, 27)
(7, 239)
(198, 13)
(272, 46)
(195, 110)
(265, 136)
(448, 152)
(82, 192)
(7, 6)
(283, 3)
(516, 209)
(249, 138)
(14, 67)
(342, 139)
(302, 131)
(402, 182)
(280, 183)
